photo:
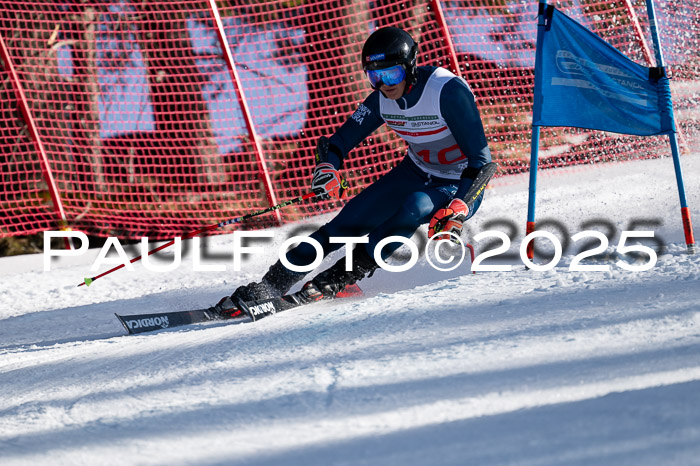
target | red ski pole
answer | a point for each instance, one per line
(215, 226)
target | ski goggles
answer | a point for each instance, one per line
(388, 76)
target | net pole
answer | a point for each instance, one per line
(440, 19)
(685, 210)
(33, 130)
(245, 109)
(639, 33)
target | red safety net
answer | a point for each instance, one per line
(139, 121)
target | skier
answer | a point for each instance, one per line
(435, 113)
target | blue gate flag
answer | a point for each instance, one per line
(582, 81)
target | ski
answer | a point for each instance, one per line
(141, 323)
(255, 310)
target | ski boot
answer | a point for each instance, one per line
(226, 309)
(330, 282)
(276, 282)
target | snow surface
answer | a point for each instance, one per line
(510, 367)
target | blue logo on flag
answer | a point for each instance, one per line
(582, 81)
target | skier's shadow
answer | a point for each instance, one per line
(38, 330)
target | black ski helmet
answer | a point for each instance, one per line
(390, 46)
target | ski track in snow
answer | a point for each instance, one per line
(518, 367)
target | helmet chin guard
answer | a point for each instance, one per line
(388, 47)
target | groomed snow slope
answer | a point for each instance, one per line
(511, 367)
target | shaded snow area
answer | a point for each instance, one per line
(501, 367)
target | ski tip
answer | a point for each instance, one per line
(88, 281)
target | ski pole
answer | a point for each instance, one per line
(214, 226)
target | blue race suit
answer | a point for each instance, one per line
(439, 120)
